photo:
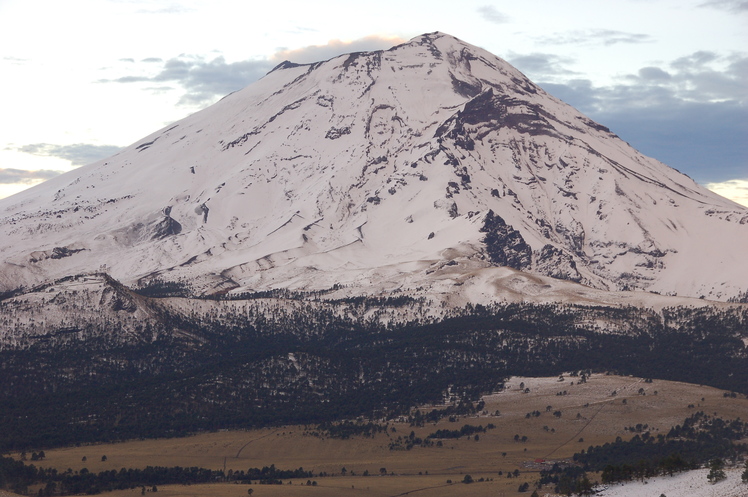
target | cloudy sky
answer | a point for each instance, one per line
(82, 78)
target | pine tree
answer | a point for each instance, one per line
(716, 471)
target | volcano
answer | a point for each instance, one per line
(432, 167)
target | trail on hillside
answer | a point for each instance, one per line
(253, 440)
(604, 403)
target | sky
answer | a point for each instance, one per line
(82, 78)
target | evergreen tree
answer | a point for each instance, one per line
(716, 471)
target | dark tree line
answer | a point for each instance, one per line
(18, 477)
(310, 363)
(465, 431)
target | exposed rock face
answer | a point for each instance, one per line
(167, 226)
(55, 253)
(505, 245)
(553, 262)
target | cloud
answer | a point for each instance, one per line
(204, 80)
(303, 29)
(542, 65)
(702, 77)
(729, 5)
(129, 79)
(654, 74)
(605, 37)
(23, 176)
(159, 89)
(704, 140)
(79, 154)
(490, 14)
(333, 48)
(734, 189)
(699, 77)
(690, 113)
(696, 59)
(169, 9)
(15, 60)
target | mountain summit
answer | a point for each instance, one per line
(432, 166)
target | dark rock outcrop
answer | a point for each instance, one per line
(505, 245)
(553, 262)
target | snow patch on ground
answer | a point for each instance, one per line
(689, 484)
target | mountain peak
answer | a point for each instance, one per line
(423, 166)
(431, 38)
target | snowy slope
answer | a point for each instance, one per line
(689, 484)
(379, 171)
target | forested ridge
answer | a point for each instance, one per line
(190, 370)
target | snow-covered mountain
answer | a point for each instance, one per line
(423, 167)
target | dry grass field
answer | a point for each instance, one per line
(590, 414)
(4, 493)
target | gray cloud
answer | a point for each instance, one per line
(203, 80)
(490, 14)
(79, 154)
(595, 37)
(696, 59)
(691, 113)
(129, 79)
(704, 140)
(14, 176)
(729, 5)
(152, 59)
(303, 29)
(169, 9)
(693, 118)
(333, 48)
(703, 77)
(542, 64)
(15, 60)
(159, 89)
(653, 74)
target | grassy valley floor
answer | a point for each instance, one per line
(558, 416)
